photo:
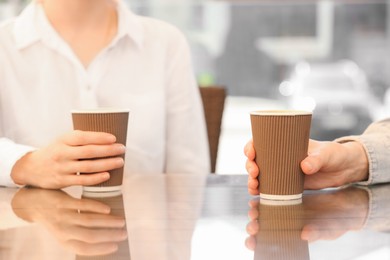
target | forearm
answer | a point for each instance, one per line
(10, 153)
(357, 162)
(376, 144)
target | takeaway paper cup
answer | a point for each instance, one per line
(280, 139)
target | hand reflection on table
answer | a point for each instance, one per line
(320, 216)
(161, 213)
(85, 226)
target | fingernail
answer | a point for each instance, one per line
(112, 138)
(120, 161)
(124, 234)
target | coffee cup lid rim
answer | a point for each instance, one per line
(100, 110)
(280, 112)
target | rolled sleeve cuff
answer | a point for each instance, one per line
(377, 157)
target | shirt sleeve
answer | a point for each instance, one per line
(379, 208)
(187, 143)
(376, 142)
(10, 152)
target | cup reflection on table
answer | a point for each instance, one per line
(280, 225)
(280, 139)
(115, 201)
(281, 230)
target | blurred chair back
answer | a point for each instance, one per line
(213, 98)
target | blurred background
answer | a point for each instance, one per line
(331, 57)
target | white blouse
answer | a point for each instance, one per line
(146, 69)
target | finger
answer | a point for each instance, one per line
(313, 233)
(84, 179)
(84, 205)
(253, 192)
(85, 249)
(310, 233)
(253, 214)
(97, 165)
(252, 169)
(321, 180)
(250, 243)
(249, 150)
(98, 220)
(95, 236)
(253, 203)
(94, 151)
(312, 163)
(252, 228)
(253, 183)
(78, 137)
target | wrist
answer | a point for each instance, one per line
(357, 160)
(18, 172)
